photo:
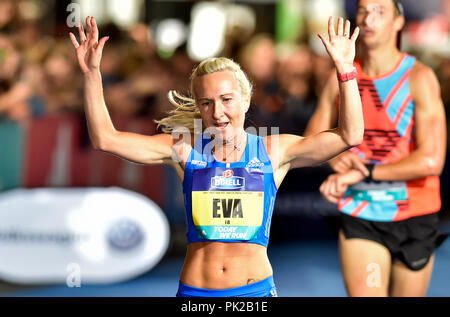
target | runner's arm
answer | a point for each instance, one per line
(306, 151)
(134, 147)
(131, 146)
(324, 118)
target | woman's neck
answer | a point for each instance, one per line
(230, 150)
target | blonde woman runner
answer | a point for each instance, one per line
(230, 177)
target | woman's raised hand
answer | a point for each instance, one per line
(89, 52)
(341, 46)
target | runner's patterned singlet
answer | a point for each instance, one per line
(388, 111)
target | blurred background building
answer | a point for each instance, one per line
(153, 48)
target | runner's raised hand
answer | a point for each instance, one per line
(89, 51)
(341, 46)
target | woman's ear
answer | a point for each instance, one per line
(399, 23)
(246, 104)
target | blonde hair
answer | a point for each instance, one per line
(186, 110)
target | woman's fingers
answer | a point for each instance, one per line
(340, 26)
(331, 32)
(343, 29)
(101, 43)
(90, 35)
(355, 34)
(81, 33)
(94, 29)
(325, 42)
(74, 40)
(347, 28)
(88, 28)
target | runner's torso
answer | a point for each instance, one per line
(388, 111)
(228, 211)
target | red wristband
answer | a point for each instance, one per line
(347, 76)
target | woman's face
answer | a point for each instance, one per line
(221, 104)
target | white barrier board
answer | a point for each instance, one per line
(79, 235)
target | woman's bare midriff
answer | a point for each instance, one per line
(219, 265)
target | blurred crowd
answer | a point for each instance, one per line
(39, 74)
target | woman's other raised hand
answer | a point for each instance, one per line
(89, 50)
(340, 46)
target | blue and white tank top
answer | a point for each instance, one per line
(229, 202)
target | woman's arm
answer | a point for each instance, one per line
(131, 146)
(298, 151)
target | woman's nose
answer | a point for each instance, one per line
(218, 110)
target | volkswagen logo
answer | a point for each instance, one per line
(125, 235)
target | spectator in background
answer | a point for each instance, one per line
(143, 37)
(321, 69)
(8, 15)
(258, 59)
(181, 68)
(292, 95)
(295, 78)
(14, 93)
(62, 85)
(283, 82)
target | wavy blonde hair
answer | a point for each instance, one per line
(186, 110)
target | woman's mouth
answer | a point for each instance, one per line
(221, 125)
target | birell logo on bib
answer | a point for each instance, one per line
(227, 181)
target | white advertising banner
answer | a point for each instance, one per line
(79, 235)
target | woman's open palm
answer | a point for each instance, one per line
(89, 52)
(340, 46)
